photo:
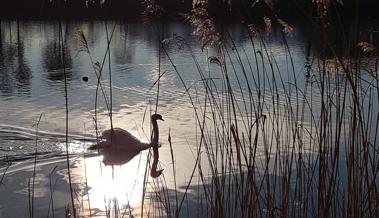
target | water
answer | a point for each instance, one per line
(32, 80)
(32, 94)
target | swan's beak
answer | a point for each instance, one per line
(161, 119)
(156, 173)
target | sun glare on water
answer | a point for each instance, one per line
(114, 188)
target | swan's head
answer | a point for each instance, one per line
(156, 117)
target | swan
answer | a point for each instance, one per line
(118, 138)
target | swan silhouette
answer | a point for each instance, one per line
(118, 138)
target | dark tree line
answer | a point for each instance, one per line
(83, 8)
(248, 9)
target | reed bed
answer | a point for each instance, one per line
(267, 147)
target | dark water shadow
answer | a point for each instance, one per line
(114, 156)
(51, 58)
(23, 72)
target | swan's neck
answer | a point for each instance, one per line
(155, 138)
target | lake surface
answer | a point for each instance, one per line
(32, 86)
(32, 80)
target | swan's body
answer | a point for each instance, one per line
(118, 138)
(123, 139)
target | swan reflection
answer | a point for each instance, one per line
(115, 156)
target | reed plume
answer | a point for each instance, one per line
(204, 26)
